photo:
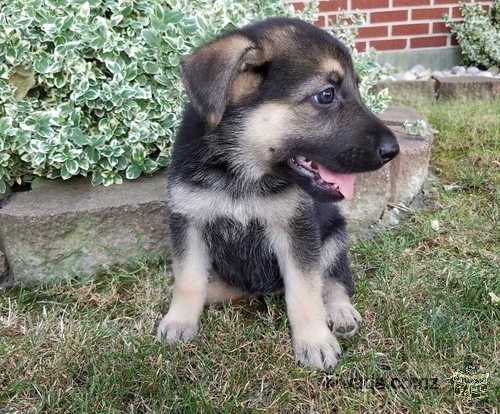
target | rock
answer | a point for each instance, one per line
(494, 70)
(409, 76)
(458, 70)
(472, 70)
(446, 72)
(485, 73)
(436, 73)
(69, 229)
(4, 268)
(417, 69)
(383, 78)
(405, 92)
(424, 75)
(399, 76)
(393, 221)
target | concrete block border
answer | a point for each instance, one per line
(69, 229)
(442, 88)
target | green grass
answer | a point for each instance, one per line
(89, 347)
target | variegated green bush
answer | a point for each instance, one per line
(478, 34)
(92, 87)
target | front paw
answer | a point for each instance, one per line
(173, 330)
(343, 319)
(319, 350)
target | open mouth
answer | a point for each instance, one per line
(334, 184)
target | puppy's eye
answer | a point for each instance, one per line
(325, 97)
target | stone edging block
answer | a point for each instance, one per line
(69, 229)
(443, 88)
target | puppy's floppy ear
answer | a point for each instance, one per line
(209, 73)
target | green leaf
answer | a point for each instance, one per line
(71, 166)
(92, 154)
(133, 171)
(151, 38)
(150, 68)
(114, 67)
(91, 94)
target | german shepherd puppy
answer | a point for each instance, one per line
(271, 138)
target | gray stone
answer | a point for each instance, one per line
(477, 87)
(399, 76)
(393, 221)
(395, 116)
(69, 229)
(458, 70)
(4, 268)
(437, 74)
(371, 194)
(494, 70)
(406, 92)
(409, 76)
(408, 171)
(485, 73)
(472, 70)
(384, 78)
(424, 75)
(417, 69)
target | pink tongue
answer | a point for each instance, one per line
(344, 181)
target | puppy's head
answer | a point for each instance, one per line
(288, 90)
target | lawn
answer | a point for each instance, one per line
(426, 290)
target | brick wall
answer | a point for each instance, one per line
(396, 24)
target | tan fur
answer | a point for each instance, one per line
(342, 317)
(265, 128)
(329, 65)
(244, 85)
(219, 291)
(313, 342)
(189, 292)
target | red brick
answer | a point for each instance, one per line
(321, 22)
(361, 46)
(433, 41)
(455, 12)
(410, 29)
(390, 44)
(330, 19)
(389, 16)
(428, 14)
(373, 31)
(399, 3)
(298, 5)
(450, 1)
(368, 4)
(440, 27)
(332, 5)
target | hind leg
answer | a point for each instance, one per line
(219, 291)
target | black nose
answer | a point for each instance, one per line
(389, 148)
